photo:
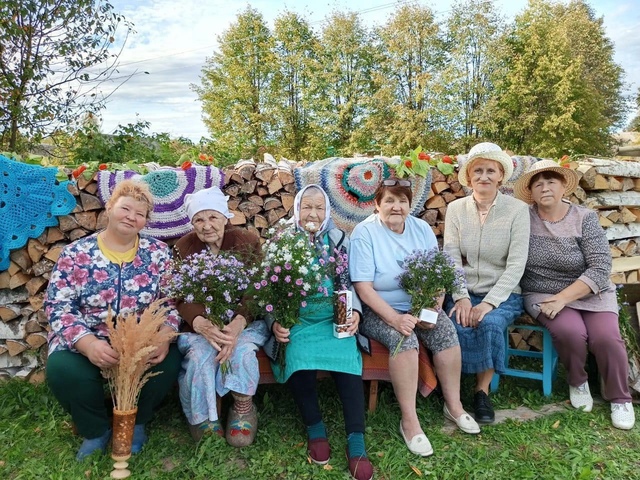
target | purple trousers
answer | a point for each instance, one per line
(577, 332)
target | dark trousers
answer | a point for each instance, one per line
(79, 387)
(303, 385)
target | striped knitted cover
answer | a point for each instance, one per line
(350, 184)
(521, 164)
(31, 198)
(169, 187)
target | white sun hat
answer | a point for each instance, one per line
(487, 151)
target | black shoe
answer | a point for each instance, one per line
(482, 408)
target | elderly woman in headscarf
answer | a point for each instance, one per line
(487, 235)
(205, 346)
(311, 345)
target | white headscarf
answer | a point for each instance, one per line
(207, 199)
(327, 223)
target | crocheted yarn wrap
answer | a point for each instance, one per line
(351, 183)
(521, 165)
(31, 199)
(169, 186)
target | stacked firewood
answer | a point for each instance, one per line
(260, 195)
(444, 190)
(612, 188)
(23, 322)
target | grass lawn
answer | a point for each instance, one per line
(37, 441)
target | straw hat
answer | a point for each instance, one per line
(521, 187)
(488, 151)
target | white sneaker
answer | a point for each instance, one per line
(581, 397)
(623, 416)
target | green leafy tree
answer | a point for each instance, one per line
(54, 57)
(343, 84)
(473, 28)
(557, 87)
(235, 87)
(296, 64)
(407, 108)
(634, 125)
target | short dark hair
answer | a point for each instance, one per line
(396, 190)
(547, 175)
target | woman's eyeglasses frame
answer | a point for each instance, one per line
(392, 182)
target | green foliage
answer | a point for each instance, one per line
(545, 85)
(37, 441)
(473, 31)
(235, 88)
(557, 88)
(634, 125)
(341, 87)
(296, 64)
(54, 55)
(407, 105)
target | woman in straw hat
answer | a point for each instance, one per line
(204, 346)
(487, 234)
(567, 287)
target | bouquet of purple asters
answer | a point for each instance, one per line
(291, 271)
(217, 281)
(427, 275)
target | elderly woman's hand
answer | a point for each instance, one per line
(478, 312)
(233, 330)
(161, 352)
(355, 322)
(99, 352)
(281, 333)
(405, 323)
(216, 337)
(462, 310)
(552, 306)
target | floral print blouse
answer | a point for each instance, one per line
(84, 283)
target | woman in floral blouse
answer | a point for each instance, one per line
(120, 269)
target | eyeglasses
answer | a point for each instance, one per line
(391, 182)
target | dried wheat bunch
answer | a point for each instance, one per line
(135, 340)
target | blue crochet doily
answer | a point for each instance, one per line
(30, 200)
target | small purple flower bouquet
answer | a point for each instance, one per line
(217, 281)
(427, 275)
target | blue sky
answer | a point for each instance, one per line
(174, 38)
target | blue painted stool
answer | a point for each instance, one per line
(548, 355)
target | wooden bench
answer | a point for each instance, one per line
(375, 368)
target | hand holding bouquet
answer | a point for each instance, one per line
(427, 275)
(217, 281)
(289, 276)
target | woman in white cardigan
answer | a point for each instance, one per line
(487, 234)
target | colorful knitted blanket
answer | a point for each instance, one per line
(169, 186)
(351, 183)
(31, 198)
(521, 164)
